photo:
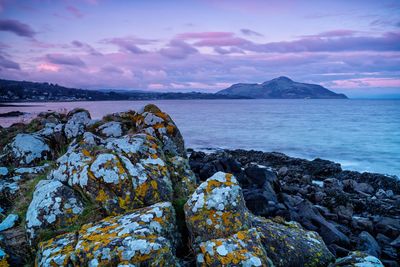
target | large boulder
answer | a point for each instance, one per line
(25, 150)
(288, 244)
(54, 205)
(219, 223)
(241, 249)
(144, 237)
(119, 174)
(217, 209)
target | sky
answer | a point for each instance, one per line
(351, 47)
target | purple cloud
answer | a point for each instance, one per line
(17, 27)
(249, 32)
(389, 41)
(178, 49)
(74, 11)
(130, 44)
(204, 35)
(86, 47)
(333, 33)
(62, 59)
(8, 64)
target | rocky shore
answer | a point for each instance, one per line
(122, 191)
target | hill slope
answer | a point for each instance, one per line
(281, 87)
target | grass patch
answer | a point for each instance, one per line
(25, 196)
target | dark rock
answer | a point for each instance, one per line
(338, 251)
(368, 244)
(389, 252)
(364, 187)
(312, 219)
(388, 226)
(259, 175)
(361, 223)
(396, 243)
(390, 263)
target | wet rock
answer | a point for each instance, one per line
(261, 202)
(288, 244)
(54, 205)
(144, 237)
(25, 150)
(241, 249)
(216, 209)
(368, 244)
(358, 259)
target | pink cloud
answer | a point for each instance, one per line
(48, 67)
(230, 41)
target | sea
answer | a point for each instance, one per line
(361, 135)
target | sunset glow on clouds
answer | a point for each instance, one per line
(202, 45)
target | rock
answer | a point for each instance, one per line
(25, 150)
(8, 222)
(216, 209)
(368, 244)
(54, 205)
(3, 258)
(3, 171)
(338, 251)
(111, 129)
(182, 177)
(364, 187)
(153, 121)
(241, 249)
(288, 244)
(313, 220)
(396, 243)
(260, 202)
(259, 176)
(358, 259)
(388, 226)
(362, 223)
(77, 120)
(15, 245)
(119, 174)
(144, 237)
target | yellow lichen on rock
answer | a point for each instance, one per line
(216, 208)
(145, 236)
(241, 249)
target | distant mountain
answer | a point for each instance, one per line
(24, 91)
(281, 87)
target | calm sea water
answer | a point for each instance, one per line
(362, 135)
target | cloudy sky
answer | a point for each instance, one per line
(348, 46)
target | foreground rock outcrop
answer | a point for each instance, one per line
(120, 191)
(350, 211)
